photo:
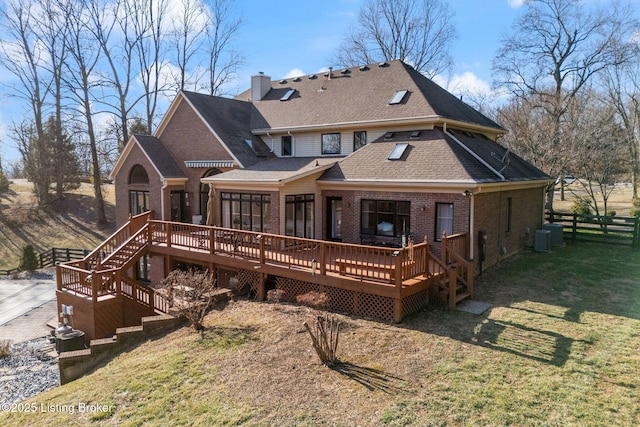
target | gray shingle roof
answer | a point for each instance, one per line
(276, 170)
(355, 95)
(433, 157)
(160, 156)
(230, 119)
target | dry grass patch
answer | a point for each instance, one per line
(66, 223)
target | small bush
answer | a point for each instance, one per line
(635, 210)
(29, 260)
(275, 295)
(5, 348)
(4, 183)
(581, 206)
(191, 293)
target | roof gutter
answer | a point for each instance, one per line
(422, 122)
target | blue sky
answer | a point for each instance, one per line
(304, 36)
(294, 38)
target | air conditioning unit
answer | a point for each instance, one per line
(543, 241)
(557, 234)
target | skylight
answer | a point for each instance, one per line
(398, 151)
(397, 98)
(288, 95)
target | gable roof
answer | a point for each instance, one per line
(229, 119)
(434, 157)
(359, 95)
(157, 154)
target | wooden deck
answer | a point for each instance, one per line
(386, 283)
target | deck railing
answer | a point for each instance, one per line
(94, 260)
(373, 264)
(389, 265)
(454, 250)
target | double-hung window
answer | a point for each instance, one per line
(331, 143)
(444, 219)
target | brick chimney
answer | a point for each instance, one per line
(260, 86)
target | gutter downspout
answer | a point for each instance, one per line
(471, 225)
(293, 144)
(478, 158)
(164, 187)
(269, 135)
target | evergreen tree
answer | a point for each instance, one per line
(29, 261)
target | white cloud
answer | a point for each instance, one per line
(471, 89)
(460, 84)
(514, 4)
(295, 72)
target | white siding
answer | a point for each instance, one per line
(310, 144)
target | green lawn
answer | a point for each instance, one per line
(560, 346)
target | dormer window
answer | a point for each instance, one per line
(398, 97)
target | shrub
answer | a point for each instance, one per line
(581, 206)
(635, 210)
(29, 260)
(191, 293)
(5, 348)
(4, 183)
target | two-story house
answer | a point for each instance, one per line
(345, 182)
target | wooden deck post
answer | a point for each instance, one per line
(262, 255)
(169, 233)
(59, 277)
(212, 241)
(427, 269)
(399, 259)
(453, 284)
(261, 288)
(323, 259)
(94, 286)
(397, 309)
(118, 280)
(444, 247)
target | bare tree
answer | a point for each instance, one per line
(84, 55)
(622, 84)
(223, 61)
(553, 52)
(147, 17)
(599, 157)
(187, 40)
(50, 25)
(22, 54)
(110, 26)
(191, 293)
(418, 32)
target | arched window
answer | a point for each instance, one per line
(138, 175)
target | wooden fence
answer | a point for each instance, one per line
(51, 257)
(614, 230)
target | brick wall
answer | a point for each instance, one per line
(491, 212)
(122, 187)
(423, 211)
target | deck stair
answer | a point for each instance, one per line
(129, 252)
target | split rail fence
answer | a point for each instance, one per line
(616, 230)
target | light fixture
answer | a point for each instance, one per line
(467, 193)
